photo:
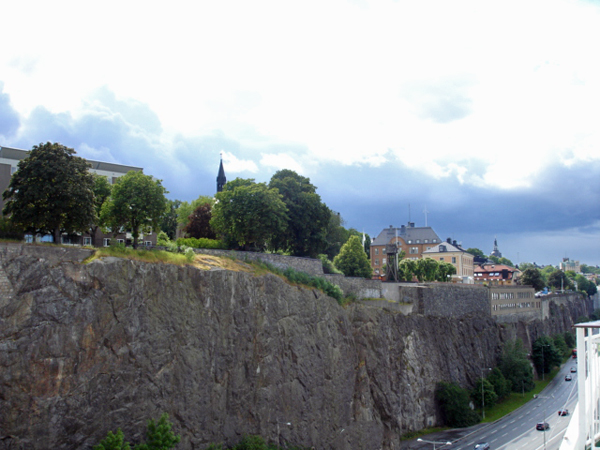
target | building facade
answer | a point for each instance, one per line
(413, 241)
(451, 252)
(495, 274)
(9, 160)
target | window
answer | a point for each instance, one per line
(414, 250)
(434, 240)
(376, 251)
(418, 240)
(376, 261)
(13, 169)
(87, 241)
(106, 242)
(383, 261)
(120, 241)
(426, 241)
(428, 248)
(454, 260)
(409, 241)
(442, 258)
(148, 243)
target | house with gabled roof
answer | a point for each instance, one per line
(452, 252)
(408, 238)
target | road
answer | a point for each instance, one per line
(516, 431)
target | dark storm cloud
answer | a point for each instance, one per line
(9, 118)
(442, 101)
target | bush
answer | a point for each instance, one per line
(328, 266)
(113, 442)
(201, 243)
(454, 403)
(162, 239)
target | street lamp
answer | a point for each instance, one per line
(544, 419)
(434, 443)
(482, 394)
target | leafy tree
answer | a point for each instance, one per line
(489, 394)
(101, 189)
(545, 355)
(515, 366)
(51, 192)
(352, 259)
(335, 236)
(407, 269)
(113, 442)
(476, 252)
(169, 223)
(532, 277)
(559, 280)
(9, 230)
(502, 260)
(185, 209)
(444, 270)
(454, 404)
(308, 217)
(159, 435)
(328, 266)
(561, 345)
(427, 269)
(502, 386)
(249, 214)
(137, 201)
(199, 223)
(570, 338)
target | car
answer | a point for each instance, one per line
(542, 426)
(573, 369)
(568, 377)
(482, 446)
(563, 412)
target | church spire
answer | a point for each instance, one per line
(221, 180)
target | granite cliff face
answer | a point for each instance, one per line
(87, 348)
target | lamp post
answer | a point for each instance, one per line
(482, 394)
(544, 418)
(435, 443)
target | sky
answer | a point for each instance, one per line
(483, 114)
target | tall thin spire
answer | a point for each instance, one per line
(221, 179)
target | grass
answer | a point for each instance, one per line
(423, 432)
(516, 400)
(152, 256)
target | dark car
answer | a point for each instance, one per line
(482, 446)
(573, 369)
(542, 426)
(568, 378)
(563, 412)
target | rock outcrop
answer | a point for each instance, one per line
(87, 348)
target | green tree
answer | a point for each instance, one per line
(169, 223)
(336, 235)
(502, 386)
(137, 202)
(308, 216)
(407, 269)
(476, 252)
(185, 209)
(113, 442)
(159, 435)
(454, 404)
(489, 394)
(51, 192)
(199, 223)
(427, 269)
(249, 214)
(352, 259)
(545, 355)
(515, 366)
(570, 339)
(532, 277)
(561, 345)
(444, 271)
(101, 189)
(559, 280)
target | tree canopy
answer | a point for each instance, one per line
(545, 355)
(352, 259)
(515, 366)
(51, 192)
(476, 252)
(308, 216)
(199, 222)
(137, 202)
(532, 277)
(102, 190)
(249, 214)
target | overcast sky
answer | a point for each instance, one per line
(485, 114)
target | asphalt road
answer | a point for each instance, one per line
(516, 431)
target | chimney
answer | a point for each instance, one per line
(449, 241)
(454, 242)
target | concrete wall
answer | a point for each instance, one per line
(360, 287)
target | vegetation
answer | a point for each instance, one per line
(532, 277)
(352, 259)
(489, 394)
(454, 404)
(545, 355)
(307, 216)
(328, 266)
(198, 225)
(515, 367)
(51, 192)
(158, 437)
(137, 201)
(249, 215)
(201, 243)
(425, 269)
(253, 443)
(102, 190)
(169, 223)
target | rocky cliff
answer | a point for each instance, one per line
(87, 348)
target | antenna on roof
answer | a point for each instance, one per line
(409, 212)
(425, 212)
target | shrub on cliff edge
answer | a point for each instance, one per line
(454, 403)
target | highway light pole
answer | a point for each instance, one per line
(482, 394)
(434, 443)
(544, 419)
